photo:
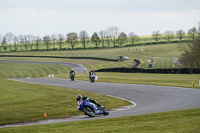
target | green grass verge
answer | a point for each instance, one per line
(178, 80)
(22, 102)
(23, 70)
(185, 121)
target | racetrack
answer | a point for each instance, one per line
(148, 98)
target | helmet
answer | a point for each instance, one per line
(72, 69)
(78, 97)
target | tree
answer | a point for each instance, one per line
(102, 35)
(95, 39)
(61, 38)
(156, 36)
(192, 33)
(16, 42)
(46, 41)
(168, 35)
(191, 56)
(54, 40)
(83, 35)
(72, 39)
(10, 37)
(1, 40)
(113, 33)
(180, 34)
(133, 37)
(37, 41)
(4, 43)
(107, 38)
(122, 38)
(21, 40)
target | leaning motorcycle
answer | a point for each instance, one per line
(91, 109)
(72, 76)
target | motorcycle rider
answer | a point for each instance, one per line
(72, 72)
(91, 74)
(79, 98)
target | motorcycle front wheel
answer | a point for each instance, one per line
(88, 111)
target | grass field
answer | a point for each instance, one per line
(23, 102)
(161, 54)
(20, 102)
(23, 70)
(178, 80)
(185, 121)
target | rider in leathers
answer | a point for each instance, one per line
(79, 98)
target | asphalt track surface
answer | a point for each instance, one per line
(146, 98)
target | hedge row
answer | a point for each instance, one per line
(142, 70)
(95, 58)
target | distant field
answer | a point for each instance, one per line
(161, 54)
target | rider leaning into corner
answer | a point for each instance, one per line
(79, 98)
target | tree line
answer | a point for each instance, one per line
(112, 35)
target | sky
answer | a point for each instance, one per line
(46, 17)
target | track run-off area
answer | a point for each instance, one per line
(145, 98)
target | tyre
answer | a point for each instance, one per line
(105, 111)
(88, 111)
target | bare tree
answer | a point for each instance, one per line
(168, 35)
(16, 42)
(180, 34)
(113, 33)
(133, 37)
(72, 39)
(193, 33)
(83, 36)
(21, 41)
(102, 35)
(46, 40)
(95, 39)
(61, 38)
(26, 42)
(156, 36)
(107, 38)
(10, 37)
(54, 39)
(122, 38)
(1, 40)
(4, 43)
(37, 41)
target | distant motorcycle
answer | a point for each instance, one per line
(92, 79)
(91, 109)
(72, 76)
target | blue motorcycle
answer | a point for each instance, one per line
(91, 109)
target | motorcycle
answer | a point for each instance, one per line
(92, 79)
(72, 76)
(91, 109)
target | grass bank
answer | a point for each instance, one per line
(24, 70)
(22, 102)
(185, 121)
(177, 80)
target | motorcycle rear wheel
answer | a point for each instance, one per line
(105, 111)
